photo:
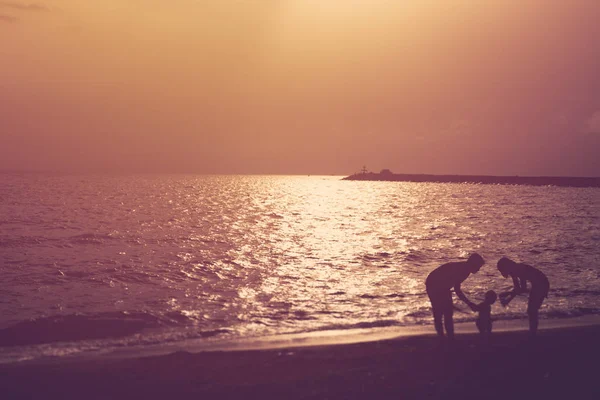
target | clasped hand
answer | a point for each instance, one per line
(506, 297)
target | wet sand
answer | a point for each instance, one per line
(562, 363)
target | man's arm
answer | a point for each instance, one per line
(462, 296)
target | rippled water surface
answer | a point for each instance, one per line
(135, 260)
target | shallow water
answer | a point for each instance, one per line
(93, 262)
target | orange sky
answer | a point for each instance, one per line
(301, 86)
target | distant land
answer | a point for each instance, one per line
(387, 175)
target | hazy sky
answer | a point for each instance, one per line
(301, 86)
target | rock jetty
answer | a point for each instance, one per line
(386, 175)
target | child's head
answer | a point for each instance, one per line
(490, 297)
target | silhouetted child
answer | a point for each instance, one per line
(484, 320)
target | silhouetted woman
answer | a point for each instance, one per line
(520, 274)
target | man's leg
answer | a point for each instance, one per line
(448, 321)
(434, 298)
(437, 321)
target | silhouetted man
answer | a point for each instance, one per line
(439, 283)
(520, 274)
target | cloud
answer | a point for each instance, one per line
(592, 125)
(7, 18)
(16, 7)
(24, 6)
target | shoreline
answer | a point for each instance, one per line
(322, 338)
(317, 338)
(563, 181)
(559, 363)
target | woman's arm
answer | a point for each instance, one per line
(516, 283)
(523, 285)
(507, 297)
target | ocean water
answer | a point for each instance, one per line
(91, 263)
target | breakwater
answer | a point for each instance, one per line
(481, 179)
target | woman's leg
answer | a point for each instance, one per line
(533, 321)
(536, 298)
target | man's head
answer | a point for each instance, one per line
(505, 265)
(475, 262)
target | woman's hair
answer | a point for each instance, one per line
(504, 262)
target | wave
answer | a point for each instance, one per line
(570, 313)
(383, 323)
(389, 296)
(21, 241)
(77, 327)
(90, 238)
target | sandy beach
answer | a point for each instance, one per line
(560, 363)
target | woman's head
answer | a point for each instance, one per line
(505, 266)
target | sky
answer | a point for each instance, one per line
(495, 87)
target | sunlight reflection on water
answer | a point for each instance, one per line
(272, 254)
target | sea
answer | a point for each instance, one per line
(93, 264)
